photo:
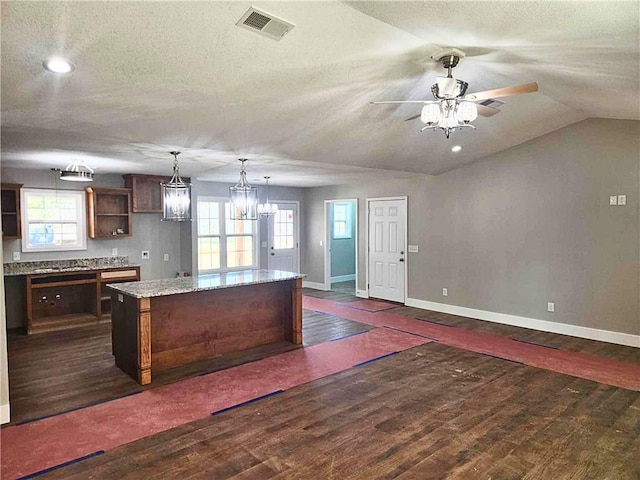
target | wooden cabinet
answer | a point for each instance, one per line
(61, 300)
(109, 212)
(10, 202)
(146, 192)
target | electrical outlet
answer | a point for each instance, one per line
(114, 252)
(445, 292)
(622, 199)
(145, 255)
(551, 307)
(321, 243)
(613, 199)
(166, 257)
(16, 256)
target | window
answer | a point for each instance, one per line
(224, 244)
(341, 220)
(283, 229)
(53, 220)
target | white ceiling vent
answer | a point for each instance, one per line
(265, 24)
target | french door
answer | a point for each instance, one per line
(283, 238)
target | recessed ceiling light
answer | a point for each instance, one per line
(456, 148)
(58, 65)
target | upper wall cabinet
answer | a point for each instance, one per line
(10, 202)
(109, 212)
(146, 192)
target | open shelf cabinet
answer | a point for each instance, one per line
(10, 202)
(109, 212)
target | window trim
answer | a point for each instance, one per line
(348, 221)
(81, 220)
(223, 236)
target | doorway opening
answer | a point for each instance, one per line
(341, 245)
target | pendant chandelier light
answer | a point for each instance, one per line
(176, 196)
(244, 197)
(76, 172)
(267, 209)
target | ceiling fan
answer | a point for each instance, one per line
(451, 108)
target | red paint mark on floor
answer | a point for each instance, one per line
(370, 305)
(582, 365)
(51, 441)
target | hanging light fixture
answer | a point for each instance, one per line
(244, 197)
(75, 172)
(267, 209)
(176, 196)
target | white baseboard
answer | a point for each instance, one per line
(533, 323)
(362, 294)
(5, 416)
(315, 286)
(343, 278)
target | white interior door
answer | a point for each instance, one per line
(283, 238)
(387, 220)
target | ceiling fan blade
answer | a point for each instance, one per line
(400, 101)
(413, 118)
(503, 92)
(486, 111)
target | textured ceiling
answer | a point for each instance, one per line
(157, 76)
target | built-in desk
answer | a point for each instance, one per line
(61, 294)
(161, 324)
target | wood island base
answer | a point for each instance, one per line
(161, 332)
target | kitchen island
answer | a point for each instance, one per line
(162, 324)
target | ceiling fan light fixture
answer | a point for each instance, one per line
(467, 112)
(431, 114)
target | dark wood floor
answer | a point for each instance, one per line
(431, 412)
(55, 372)
(565, 342)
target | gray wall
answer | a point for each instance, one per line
(343, 250)
(521, 228)
(149, 233)
(4, 365)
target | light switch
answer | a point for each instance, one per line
(264, 244)
(445, 292)
(622, 199)
(321, 243)
(16, 256)
(613, 199)
(114, 252)
(166, 257)
(413, 248)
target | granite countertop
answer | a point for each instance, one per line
(68, 265)
(173, 286)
